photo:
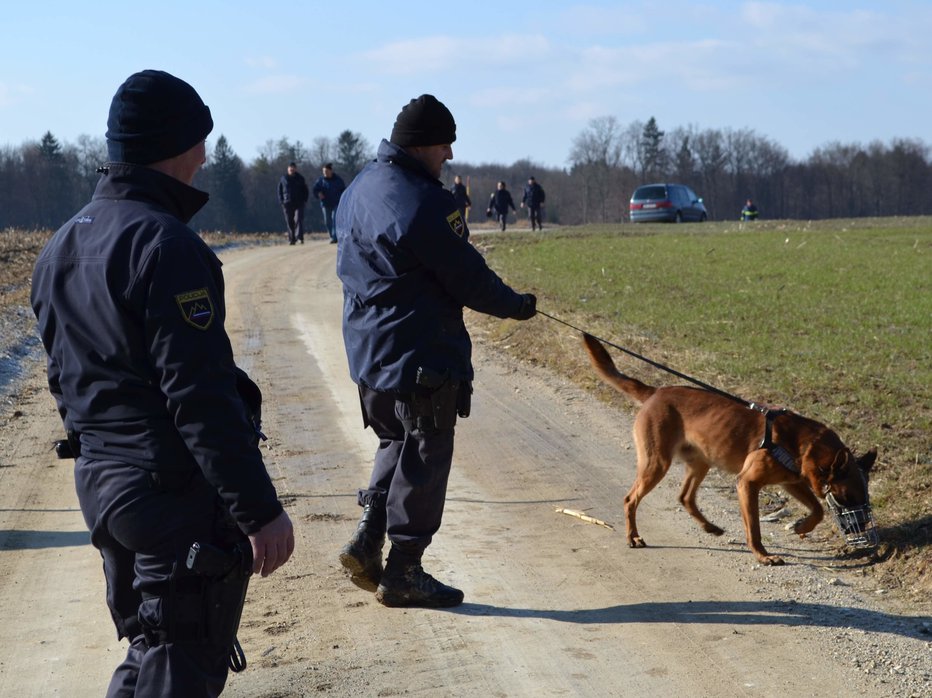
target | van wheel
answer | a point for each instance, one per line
(679, 217)
(702, 218)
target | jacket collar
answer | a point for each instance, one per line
(395, 154)
(123, 180)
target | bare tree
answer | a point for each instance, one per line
(595, 157)
(712, 159)
(681, 156)
(321, 151)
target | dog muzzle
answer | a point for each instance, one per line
(856, 524)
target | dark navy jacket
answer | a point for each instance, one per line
(292, 189)
(130, 307)
(533, 195)
(501, 201)
(408, 270)
(332, 189)
(460, 196)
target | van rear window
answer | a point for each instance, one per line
(655, 192)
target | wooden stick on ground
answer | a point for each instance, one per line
(584, 517)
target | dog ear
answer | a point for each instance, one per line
(866, 462)
(838, 469)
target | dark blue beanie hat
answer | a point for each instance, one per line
(424, 121)
(155, 116)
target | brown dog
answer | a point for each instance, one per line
(706, 429)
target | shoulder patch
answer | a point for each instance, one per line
(196, 308)
(457, 225)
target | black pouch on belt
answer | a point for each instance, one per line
(464, 399)
(69, 447)
(435, 403)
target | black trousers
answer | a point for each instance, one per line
(143, 532)
(410, 472)
(533, 213)
(294, 217)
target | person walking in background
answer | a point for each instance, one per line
(534, 199)
(499, 203)
(329, 188)
(161, 422)
(461, 196)
(749, 212)
(408, 270)
(293, 195)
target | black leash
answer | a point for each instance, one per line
(656, 364)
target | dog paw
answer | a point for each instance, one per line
(713, 529)
(771, 560)
(636, 542)
(801, 527)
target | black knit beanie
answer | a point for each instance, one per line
(155, 116)
(424, 121)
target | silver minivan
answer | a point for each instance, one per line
(673, 203)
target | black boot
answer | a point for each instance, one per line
(362, 556)
(405, 583)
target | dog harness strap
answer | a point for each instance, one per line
(780, 454)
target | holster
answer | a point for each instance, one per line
(69, 447)
(226, 575)
(437, 401)
(204, 602)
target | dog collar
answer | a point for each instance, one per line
(780, 454)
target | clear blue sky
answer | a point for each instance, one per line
(521, 78)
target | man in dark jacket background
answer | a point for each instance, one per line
(408, 270)
(328, 188)
(162, 424)
(533, 198)
(461, 196)
(499, 203)
(293, 195)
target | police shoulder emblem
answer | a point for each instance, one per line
(196, 308)
(457, 225)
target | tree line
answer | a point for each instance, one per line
(43, 183)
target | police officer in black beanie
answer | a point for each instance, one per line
(408, 270)
(161, 422)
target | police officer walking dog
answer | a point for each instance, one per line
(168, 472)
(408, 270)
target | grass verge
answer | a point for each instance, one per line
(831, 318)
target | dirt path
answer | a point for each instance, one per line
(554, 606)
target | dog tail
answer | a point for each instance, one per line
(605, 367)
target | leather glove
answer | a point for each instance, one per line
(528, 307)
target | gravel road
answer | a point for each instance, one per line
(554, 606)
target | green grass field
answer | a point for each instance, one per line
(832, 319)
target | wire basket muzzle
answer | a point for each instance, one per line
(856, 524)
